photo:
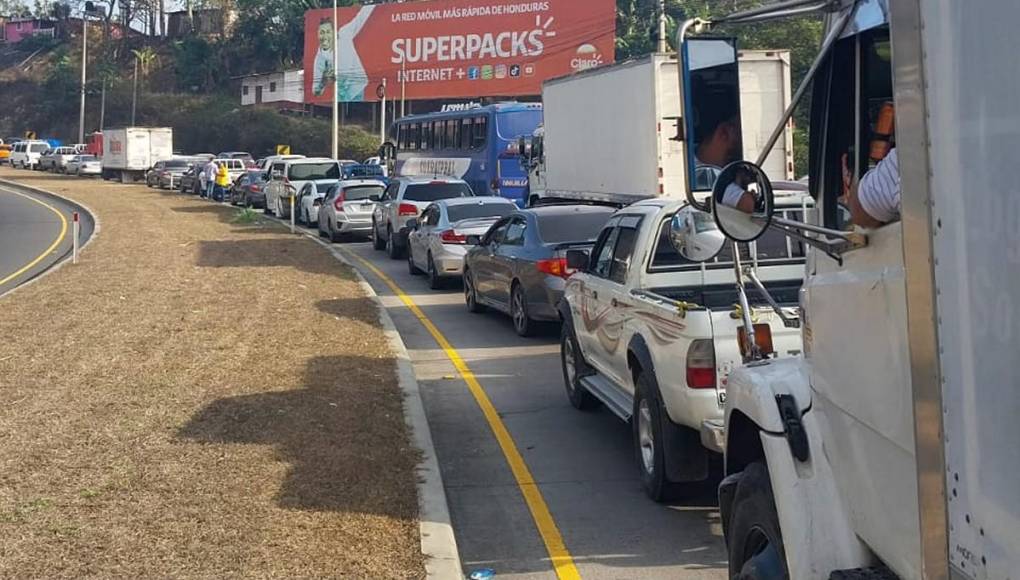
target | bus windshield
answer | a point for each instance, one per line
(513, 125)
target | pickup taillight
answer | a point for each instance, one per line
(701, 364)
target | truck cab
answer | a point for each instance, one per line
(881, 452)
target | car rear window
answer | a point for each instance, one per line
(362, 192)
(436, 191)
(772, 246)
(572, 227)
(313, 171)
(38, 148)
(178, 163)
(86, 158)
(463, 212)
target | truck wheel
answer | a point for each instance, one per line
(573, 365)
(648, 422)
(377, 242)
(755, 539)
(470, 294)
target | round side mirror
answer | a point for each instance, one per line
(694, 235)
(742, 201)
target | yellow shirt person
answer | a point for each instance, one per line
(222, 176)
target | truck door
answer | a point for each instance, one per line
(617, 330)
(601, 340)
(855, 331)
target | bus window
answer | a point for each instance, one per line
(414, 134)
(480, 132)
(452, 133)
(426, 136)
(402, 136)
(466, 125)
(440, 133)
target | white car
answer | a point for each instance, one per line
(82, 165)
(347, 208)
(438, 241)
(288, 178)
(404, 200)
(26, 154)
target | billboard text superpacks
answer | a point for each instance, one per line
(454, 48)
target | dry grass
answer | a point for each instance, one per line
(199, 399)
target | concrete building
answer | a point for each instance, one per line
(281, 90)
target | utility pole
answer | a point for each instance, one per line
(336, 86)
(403, 84)
(134, 99)
(662, 26)
(382, 113)
(84, 59)
(102, 106)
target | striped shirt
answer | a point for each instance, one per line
(879, 190)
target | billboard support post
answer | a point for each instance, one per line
(336, 85)
(382, 113)
(403, 82)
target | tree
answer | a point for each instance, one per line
(144, 59)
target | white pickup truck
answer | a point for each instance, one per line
(653, 336)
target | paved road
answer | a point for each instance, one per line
(583, 462)
(33, 237)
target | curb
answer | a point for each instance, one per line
(438, 543)
(67, 259)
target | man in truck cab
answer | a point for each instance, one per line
(875, 200)
(717, 136)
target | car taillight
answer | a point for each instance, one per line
(339, 203)
(407, 209)
(256, 188)
(555, 267)
(452, 237)
(701, 364)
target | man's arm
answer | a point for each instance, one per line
(875, 200)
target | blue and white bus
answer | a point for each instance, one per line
(477, 145)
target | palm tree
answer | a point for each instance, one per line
(144, 59)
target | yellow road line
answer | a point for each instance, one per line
(53, 246)
(562, 561)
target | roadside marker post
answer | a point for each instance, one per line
(74, 237)
(292, 214)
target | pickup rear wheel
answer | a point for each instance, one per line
(573, 365)
(648, 422)
(755, 539)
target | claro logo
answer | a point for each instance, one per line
(587, 57)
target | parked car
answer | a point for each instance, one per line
(266, 162)
(245, 157)
(519, 267)
(171, 171)
(235, 167)
(347, 208)
(405, 198)
(5, 153)
(190, 182)
(288, 178)
(242, 187)
(438, 241)
(82, 165)
(653, 335)
(377, 161)
(26, 153)
(56, 159)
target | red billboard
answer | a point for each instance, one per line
(454, 48)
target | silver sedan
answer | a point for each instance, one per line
(439, 238)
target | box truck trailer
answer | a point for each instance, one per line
(131, 151)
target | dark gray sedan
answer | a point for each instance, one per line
(519, 267)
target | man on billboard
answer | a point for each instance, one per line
(322, 76)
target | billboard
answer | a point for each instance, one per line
(454, 48)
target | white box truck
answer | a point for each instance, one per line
(610, 132)
(129, 152)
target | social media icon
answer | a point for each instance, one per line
(487, 72)
(529, 70)
(515, 70)
(501, 71)
(473, 73)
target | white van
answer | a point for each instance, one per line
(26, 153)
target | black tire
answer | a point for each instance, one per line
(754, 538)
(647, 424)
(334, 236)
(523, 324)
(411, 268)
(392, 250)
(470, 295)
(572, 362)
(377, 242)
(435, 280)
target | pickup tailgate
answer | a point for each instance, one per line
(725, 330)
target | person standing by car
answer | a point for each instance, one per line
(222, 182)
(209, 172)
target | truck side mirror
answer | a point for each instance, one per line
(742, 201)
(577, 260)
(710, 111)
(474, 240)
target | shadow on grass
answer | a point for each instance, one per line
(343, 435)
(284, 252)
